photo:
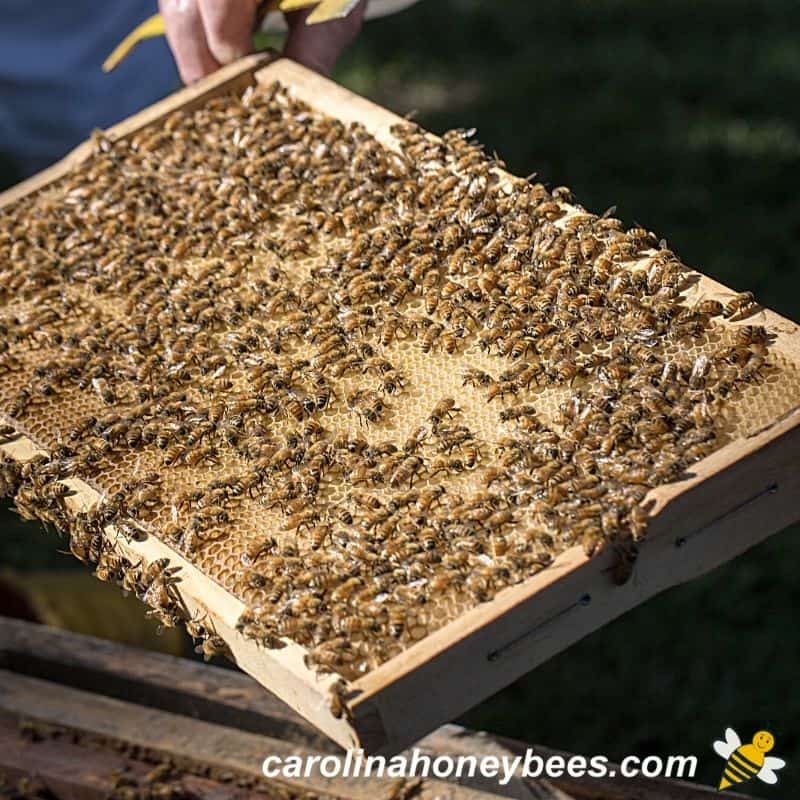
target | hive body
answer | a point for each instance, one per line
(362, 385)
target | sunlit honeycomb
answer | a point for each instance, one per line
(238, 327)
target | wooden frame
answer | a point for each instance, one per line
(737, 497)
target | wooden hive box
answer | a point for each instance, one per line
(123, 714)
(731, 500)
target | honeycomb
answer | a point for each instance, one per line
(364, 388)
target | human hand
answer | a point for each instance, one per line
(205, 34)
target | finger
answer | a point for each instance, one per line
(229, 27)
(318, 46)
(187, 39)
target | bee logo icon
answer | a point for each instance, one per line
(745, 761)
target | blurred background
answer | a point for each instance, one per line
(686, 116)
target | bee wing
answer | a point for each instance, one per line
(767, 775)
(723, 749)
(767, 771)
(726, 748)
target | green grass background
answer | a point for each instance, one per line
(686, 116)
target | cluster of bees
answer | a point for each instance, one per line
(232, 315)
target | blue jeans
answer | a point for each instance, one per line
(52, 90)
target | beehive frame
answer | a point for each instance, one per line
(735, 498)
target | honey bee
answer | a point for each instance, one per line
(397, 620)
(375, 517)
(432, 334)
(443, 582)
(330, 656)
(499, 518)
(340, 362)
(517, 412)
(447, 464)
(498, 545)
(740, 306)
(369, 406)
(256, 548)
(110, 567)
(294, 408)
(476, 377)
(700, 370)
(10, 476)
(365, 500)
(392, 327)
(415, 439)
(337, 703)
(453, 437)
(302, 519)
(625, 558)
(199, 455)
(345, 591)
(19, 404)
(196, 626)
(445, 408)
(377, 365)
(318, 535)
(391, 382)
(751, 334)
(104, 390)
(342, 514)
(502, 389)
(451, 338)
(349, 625)
(255, 580)
(173, 454)
(403, 500)
(57, 491)
(470, 455)
(408, 469)
(211, 646)
(86, 543)
(564, 371)
(353, 444)
(711, 308)
(641, 237)
(429, 496)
